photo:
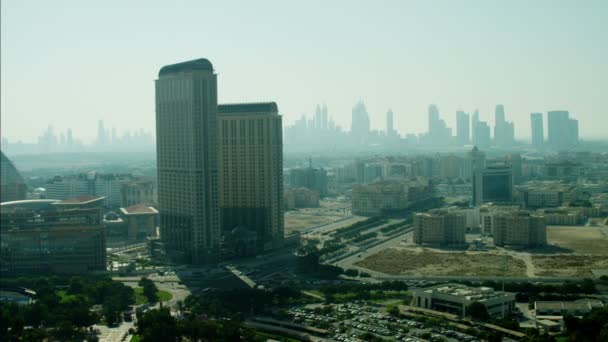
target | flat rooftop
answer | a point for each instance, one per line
(463, 291)
(139, 209)
(84, 199)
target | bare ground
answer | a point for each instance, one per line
(423, 262)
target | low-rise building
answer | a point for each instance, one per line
(544, 194)
(555, 310)
(301, 198)
(522, 229)
(562, 216)
(384, 197)
(140, 221)
(455, 298)
(439, 227)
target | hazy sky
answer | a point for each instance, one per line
(70, 63)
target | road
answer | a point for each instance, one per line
(349, 262)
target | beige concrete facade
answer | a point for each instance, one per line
(251, 171)
(439, 227)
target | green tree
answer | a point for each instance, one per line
(477, 311)
(158, 325)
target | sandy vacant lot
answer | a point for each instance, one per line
(568, 265)
(329, 211)
(580, 240)
(423, 262)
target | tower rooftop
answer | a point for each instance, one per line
(193, 65)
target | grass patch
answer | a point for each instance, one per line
(135, 338)
(163, 296)
(65, 297)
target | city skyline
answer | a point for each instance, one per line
(469, 59)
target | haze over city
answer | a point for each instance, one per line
(340, 171)
(70, 64)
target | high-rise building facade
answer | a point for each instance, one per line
(12, 185)
(462, 128)
(538, 135)
(562, 130)
(186, 149)
(251, 176)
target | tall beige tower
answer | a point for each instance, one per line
(186, 150)
(251, 177)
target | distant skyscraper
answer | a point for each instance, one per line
(483, 138)
(504, 132)
(251, 176)
(462, 128)
(563, 130)
(389, 123)
(536, 121)
(474, 122)
(439, 133)
(360, 123)
(324, 117)
(186, 148)
(102, 135)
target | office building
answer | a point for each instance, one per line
(251, 176)
(493, 184)
(462, 128)
(186, 151)
(562, 130)
(455, 298)
(521, 229)
(439, 227)
(537, 129)
(12, 185)
(50, 236)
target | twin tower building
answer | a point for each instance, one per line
(220, 169)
